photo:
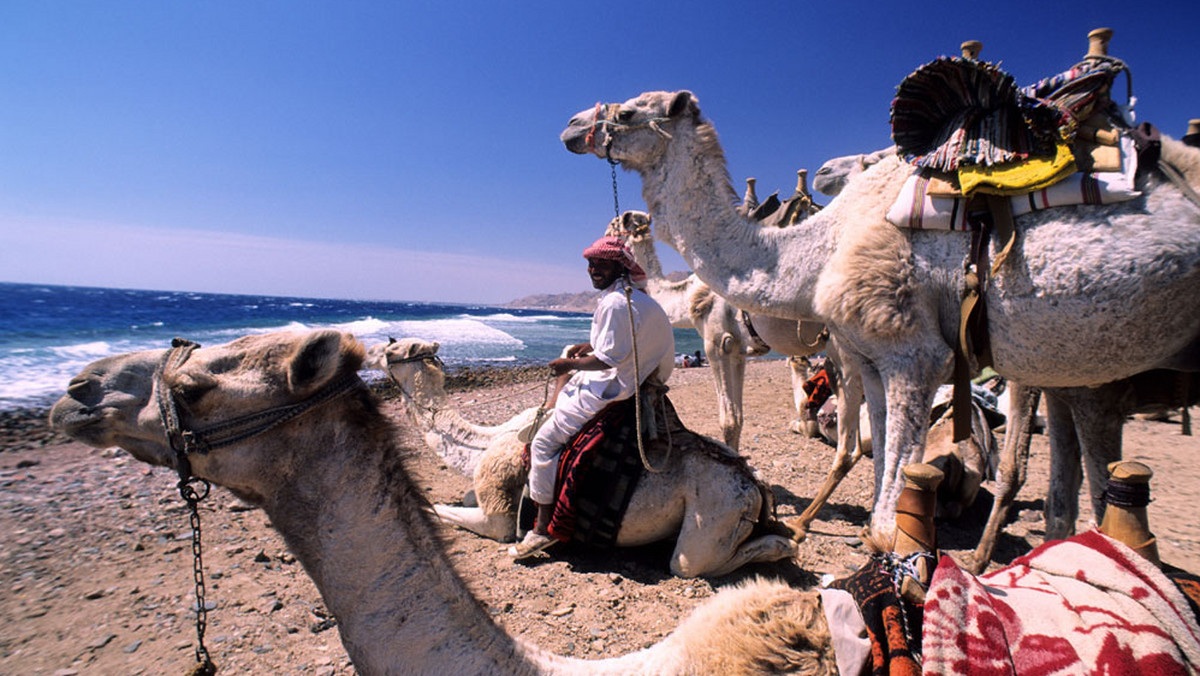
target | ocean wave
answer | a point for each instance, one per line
(523, 319)
(92, 350)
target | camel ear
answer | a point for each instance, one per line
(436, 345)
(683, 102)
(316, 360)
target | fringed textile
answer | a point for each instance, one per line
(894, 649)
(953, 112)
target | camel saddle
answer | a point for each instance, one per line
(979, 140)
(599, 469)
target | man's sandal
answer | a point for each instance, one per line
(533, 543)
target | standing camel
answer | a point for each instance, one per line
(1084, 423)
(890, 297)
(705, 497)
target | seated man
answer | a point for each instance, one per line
(595, 374)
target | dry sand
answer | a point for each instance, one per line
(95, 553)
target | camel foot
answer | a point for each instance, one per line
(798, 528)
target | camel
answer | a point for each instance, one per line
(890, 298)
(334, 483)
(1084, 423)
(706, 496)
(832, 176)
(729, 335)
(309, 445)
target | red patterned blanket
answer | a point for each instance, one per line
(1087, 605)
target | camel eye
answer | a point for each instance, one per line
(624, 116)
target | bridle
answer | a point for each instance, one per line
(409, 397)
(185, 441)
(604, 116)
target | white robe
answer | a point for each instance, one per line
(588, 392)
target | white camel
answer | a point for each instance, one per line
(729, 335)
(1084, 423)
(705, 497)
(283, 421)
(890, 297)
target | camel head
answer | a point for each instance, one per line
(413, 364)
(634, 133)
(630, 225)
(836, 173)
(121, 400)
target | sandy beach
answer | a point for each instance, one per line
(95, 562)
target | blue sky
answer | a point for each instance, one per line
(409, 150)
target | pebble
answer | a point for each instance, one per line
(100, 641)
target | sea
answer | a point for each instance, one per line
(49, 333)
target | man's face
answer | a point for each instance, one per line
(604, 272)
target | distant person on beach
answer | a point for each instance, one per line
(698, 359)
(597, 373)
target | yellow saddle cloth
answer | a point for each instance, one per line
(1018, 178)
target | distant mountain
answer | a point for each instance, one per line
(571, 302)
(560, 302)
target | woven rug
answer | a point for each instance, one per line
(597, 474)
(1087, 605)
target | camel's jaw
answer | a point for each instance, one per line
(93, 425)
(108, 404)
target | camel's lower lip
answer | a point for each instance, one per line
(77, 423)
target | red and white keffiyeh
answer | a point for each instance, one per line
(613, 249)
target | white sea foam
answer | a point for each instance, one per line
(526, 319)
(93, 350)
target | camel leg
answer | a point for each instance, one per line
(909, 388)
(1010, 475)
(849, 393)
(1062, 494)
(728, 363)
(500, 527)
(1100, 437)
(798, 368)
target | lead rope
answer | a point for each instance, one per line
(637, 388)
(179, 352)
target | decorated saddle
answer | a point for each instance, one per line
(1086, 605)
(599, 469)
(969, 130)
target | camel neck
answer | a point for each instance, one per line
(456, 440)
(364, 533)
(693, 204)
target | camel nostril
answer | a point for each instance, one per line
(79, 387)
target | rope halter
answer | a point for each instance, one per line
(605, 116)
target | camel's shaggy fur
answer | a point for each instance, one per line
(869, 280)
